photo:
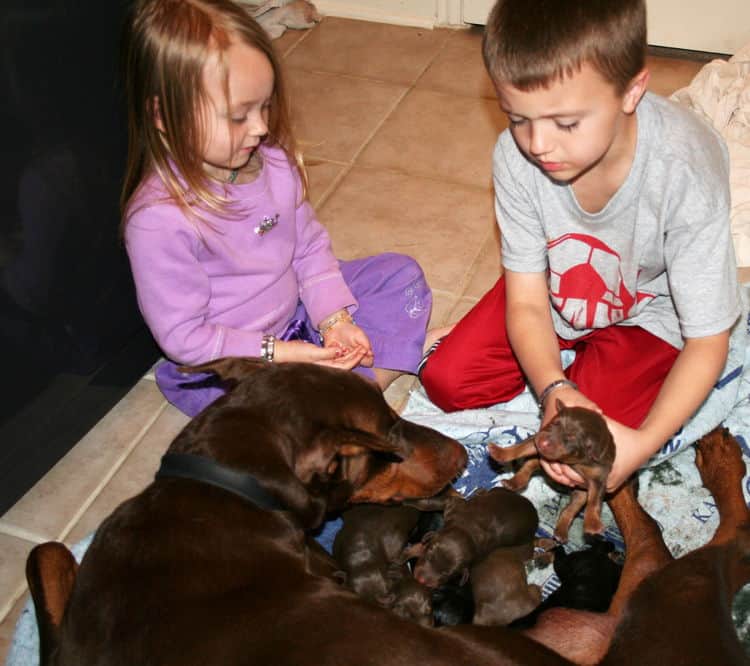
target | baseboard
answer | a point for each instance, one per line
(414, 15)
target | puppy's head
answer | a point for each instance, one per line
(576, 435)
(443, 557)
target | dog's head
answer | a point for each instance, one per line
(317, 437)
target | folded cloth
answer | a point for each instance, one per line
(720, 93)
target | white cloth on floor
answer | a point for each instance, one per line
(720, 92)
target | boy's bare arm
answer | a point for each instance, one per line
(688, 383)
(533, 339)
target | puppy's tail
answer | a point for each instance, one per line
(51, 573)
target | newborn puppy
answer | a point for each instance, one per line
(588, 577)
(452, 603)
(370, 540)
(578, 437)
(473, 527)
(501, 592)
(410, 599)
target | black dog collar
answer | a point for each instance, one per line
(205, 470)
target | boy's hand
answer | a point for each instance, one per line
(305, 352)
(346, 337)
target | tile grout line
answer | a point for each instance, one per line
(400, 99)
(9, 529)
(113, 470)
(473, 265)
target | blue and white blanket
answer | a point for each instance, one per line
(670, 486)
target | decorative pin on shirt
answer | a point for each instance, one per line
(266, 224)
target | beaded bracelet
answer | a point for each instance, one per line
(551, 387)
(329, 323)
(267, 347)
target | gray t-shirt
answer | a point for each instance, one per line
(659, 255)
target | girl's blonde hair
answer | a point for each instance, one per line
(166, 46)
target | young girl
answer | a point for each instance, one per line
(227, 255)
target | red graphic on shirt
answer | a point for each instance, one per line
(586, 282)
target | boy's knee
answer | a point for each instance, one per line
(441, 384)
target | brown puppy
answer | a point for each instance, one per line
(578, 437)
(473, 527)
(501, 592)
(411, 600)
(370, 540)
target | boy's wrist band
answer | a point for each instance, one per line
(267, 347)
(329, 323)
(551, 387)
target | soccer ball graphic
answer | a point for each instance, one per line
(586, 282)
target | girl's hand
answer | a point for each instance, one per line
(347, 337)
(305, 352)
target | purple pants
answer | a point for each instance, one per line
(394, 310)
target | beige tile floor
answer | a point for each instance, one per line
(398, 126)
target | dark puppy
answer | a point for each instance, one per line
(578, 437)
(371, 539)
(588, 580)
(498, 582)
(588, 577)
(473, 527)
(453, 603)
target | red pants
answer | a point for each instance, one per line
(620, 368)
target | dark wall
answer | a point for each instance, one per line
(69, 326)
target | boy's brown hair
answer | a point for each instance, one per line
(532, 43)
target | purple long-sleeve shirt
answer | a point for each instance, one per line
(208, 290)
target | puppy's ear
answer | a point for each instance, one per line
(560, 405)
(229, 369)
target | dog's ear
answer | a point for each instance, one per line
(51, 573)
(229, 369)
(356, 442)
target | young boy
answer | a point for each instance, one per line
(613, 206)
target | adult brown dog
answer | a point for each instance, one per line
(578, 437)
(192, 572)
(239, 587)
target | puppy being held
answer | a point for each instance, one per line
(578, 437)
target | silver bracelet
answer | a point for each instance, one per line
(551, 387)
(327, 324)
(267, 345)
